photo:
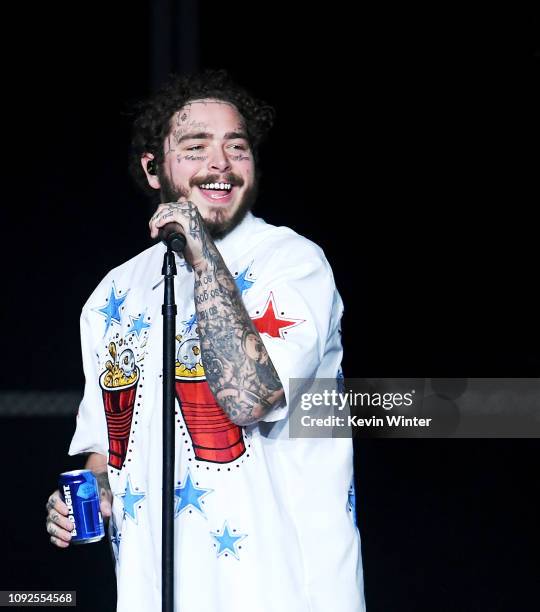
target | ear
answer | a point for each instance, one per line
(152, 179)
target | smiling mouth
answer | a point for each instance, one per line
(216, 186)
(217, 191)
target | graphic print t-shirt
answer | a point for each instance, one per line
(262, 521)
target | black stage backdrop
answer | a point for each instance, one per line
(404, 146)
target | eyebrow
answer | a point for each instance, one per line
(208, 136)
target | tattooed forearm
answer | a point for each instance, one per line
(237, 365)
(238, 368)
(205, 313)
(103, 481)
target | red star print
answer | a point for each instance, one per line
(270, 323)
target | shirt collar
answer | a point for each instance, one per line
(236, 242)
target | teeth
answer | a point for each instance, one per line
(219, 186)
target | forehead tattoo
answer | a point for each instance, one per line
(181, 125)
(176, 133)
(183, 114)
(191, 126)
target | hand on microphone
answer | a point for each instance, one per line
(181, 224)
(172, 234)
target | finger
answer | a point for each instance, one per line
(105, 504)
(58, 532)
(152, 220)
(163, 206)
(58, 542)
(171, 206)
(162, 210)
(166, 217)
(59, 520)
(157, 213)
(55, 503)
(106, 508)
(159, 210)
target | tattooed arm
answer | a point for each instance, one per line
(237, 366)
(98, 464)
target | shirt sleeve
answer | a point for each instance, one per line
(297, 310)
(91, 427)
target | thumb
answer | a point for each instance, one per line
(105, 504)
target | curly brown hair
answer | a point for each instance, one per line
(152, 123)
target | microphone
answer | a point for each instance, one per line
(172, 235)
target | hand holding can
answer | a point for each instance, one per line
(74, 510)
(59, 527)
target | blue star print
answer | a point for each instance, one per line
(131, 499)
(189, 495)
(111, 309)
(228, 543)
(241, 282)
(190, 323)
(116, 538)
(138, 325)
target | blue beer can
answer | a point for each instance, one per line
(80, 492)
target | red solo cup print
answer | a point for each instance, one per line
(119, 388)
(214, 436)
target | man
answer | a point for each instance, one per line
(262, 520)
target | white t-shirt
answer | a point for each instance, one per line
(263, 521)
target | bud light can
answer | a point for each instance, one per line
(79, 491)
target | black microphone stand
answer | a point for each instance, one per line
(177, 243)
(167, 526)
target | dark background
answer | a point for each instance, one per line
(406, 145)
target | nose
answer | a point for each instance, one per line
(219, 160)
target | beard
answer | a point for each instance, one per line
(218, 226)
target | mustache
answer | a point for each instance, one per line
(233, 179)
